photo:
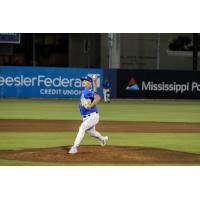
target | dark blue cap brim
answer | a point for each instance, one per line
(87, 79)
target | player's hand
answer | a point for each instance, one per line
(86, 103)
(95, 77)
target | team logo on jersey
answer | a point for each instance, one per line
(132, 85)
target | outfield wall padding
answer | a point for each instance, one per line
(158, 84)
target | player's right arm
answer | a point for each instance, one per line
(95, 78)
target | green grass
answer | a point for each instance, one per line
(25, 163)
(126, 110)
(34, 140)
(4, 162)
(186, 142)
(38, 109)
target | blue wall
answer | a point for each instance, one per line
(111, 76)
(54, 82)
(43, 82)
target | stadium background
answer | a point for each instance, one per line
(160, 66)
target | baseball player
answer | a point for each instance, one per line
(88, 109)
(106, 91)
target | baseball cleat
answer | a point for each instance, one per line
(104, 141)
(73, 150)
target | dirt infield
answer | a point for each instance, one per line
(108, 126)
(106, 155)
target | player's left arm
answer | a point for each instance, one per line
(96, 100)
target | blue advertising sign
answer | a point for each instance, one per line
(44, 82)
(13, 38)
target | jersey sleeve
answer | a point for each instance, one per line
(90, 94)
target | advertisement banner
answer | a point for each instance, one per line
(44, 82)
(13, 38)
(158, 84)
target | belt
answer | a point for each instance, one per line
(84, 116)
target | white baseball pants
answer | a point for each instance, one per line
(105, 93)
(88, 125)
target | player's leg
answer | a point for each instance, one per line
(94, 133)
(86, 124)
(80, 135)
(104, 95)
(79, 138)
(108, 95)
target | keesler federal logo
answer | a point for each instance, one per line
(132, 85)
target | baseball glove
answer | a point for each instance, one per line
(86, 103)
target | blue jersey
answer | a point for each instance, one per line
(106, 85)
(87, 93)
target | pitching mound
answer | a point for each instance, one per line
(97, 154)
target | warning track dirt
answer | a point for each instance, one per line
(108, 126)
